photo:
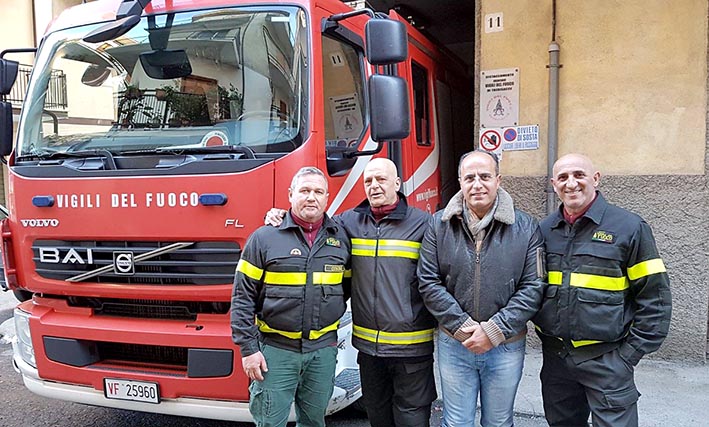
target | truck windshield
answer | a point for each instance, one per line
(180, 81)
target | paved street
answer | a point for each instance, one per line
(21, 408)
(673, 394)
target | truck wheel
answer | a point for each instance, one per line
(22, 295)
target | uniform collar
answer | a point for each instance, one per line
(594, 213)
(288, 222)
(398, 213)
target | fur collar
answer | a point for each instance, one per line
(505, 212)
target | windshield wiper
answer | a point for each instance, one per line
(243, 149)
(110, 161)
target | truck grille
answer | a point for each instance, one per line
(149, 309)
(143, 353)
(201, 263)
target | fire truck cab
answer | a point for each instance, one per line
(184, 124)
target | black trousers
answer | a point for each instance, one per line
(603, 387)
(397, 392)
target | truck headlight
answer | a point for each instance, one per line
(24, 338)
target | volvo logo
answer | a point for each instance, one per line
(40, 222)
(123, 263)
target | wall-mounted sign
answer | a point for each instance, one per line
(520, 138)
(491, 140)
(499, 98)
(494, 22)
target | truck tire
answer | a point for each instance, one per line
(22, 295)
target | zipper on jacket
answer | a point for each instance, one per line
(476, 283)
(567, 265)
(476, 303)
(376, 294)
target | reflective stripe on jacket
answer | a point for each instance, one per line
(295, 293)
(389, 317)
(608, 286)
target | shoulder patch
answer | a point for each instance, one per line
(603, 236)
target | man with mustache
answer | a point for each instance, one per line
(479, 276)
(392, 329)
(292, 280)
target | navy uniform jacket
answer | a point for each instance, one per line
(295, 293)
(608, 287)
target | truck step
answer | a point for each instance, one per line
(348, 380)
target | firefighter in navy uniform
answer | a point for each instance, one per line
(392, 329)
(292, 280)
(607, 304)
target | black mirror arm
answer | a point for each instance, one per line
(23, 50)
(131, 7)
(358, 153)
(340, 16)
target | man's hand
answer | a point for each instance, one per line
(254, 366)
(274, 217)
(478, 343)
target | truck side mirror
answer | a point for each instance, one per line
(5, 128)
(389, 107)
(385, 41)
(8, 74)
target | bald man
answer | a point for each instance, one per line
(607, 303)
(392, 329)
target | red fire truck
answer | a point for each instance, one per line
(153, 138)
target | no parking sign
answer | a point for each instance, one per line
(520, 138)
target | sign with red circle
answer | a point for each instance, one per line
(490, 140)
(215, 137)
(510, 134)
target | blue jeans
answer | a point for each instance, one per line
(494, 375)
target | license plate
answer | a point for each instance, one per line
(138, 391)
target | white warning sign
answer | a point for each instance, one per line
(491, 140)
(499, 98)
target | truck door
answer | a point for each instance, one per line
(420, 152)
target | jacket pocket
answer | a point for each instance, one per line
(599, 315)
(547, 316)
(283, 307)
(505, 292)
(332, 305)
(599, 259)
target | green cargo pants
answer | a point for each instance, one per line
(308, 378)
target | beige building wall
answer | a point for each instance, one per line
(633, 96)
(17, 28)
(17, 32)
(628, 82)
(23, 28)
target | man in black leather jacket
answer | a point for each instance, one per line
(480, 276)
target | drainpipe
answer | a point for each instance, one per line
(553, 124)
